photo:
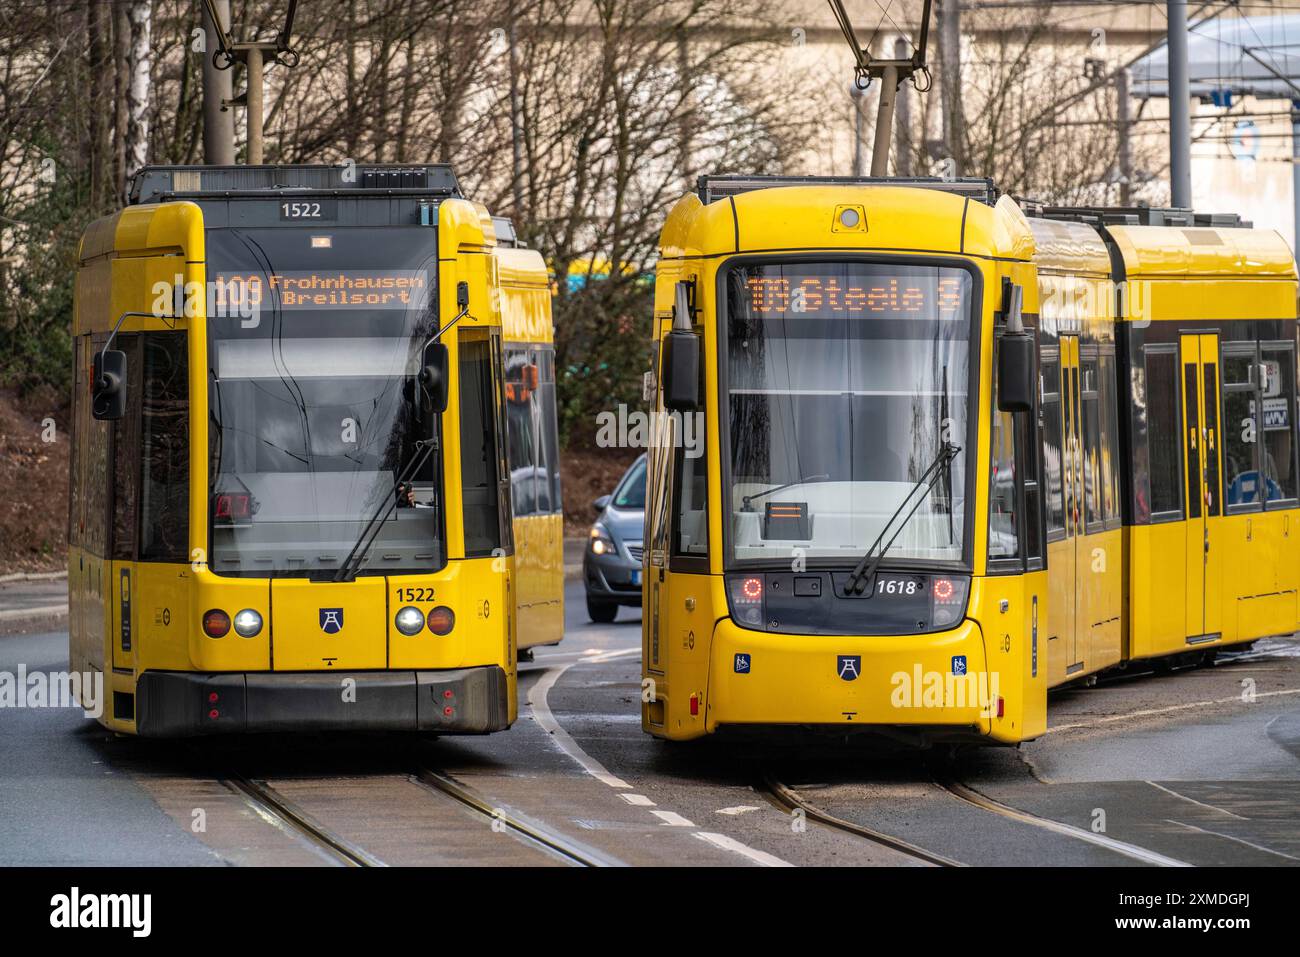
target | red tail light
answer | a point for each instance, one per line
(441, 620)
(216, 623)
(944, 590)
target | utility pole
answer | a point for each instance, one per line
(902, 120)
(253, 55)
(1295, 176)
(1180, 108)
(218, 121)
(950, 92)
(856, 95)
(1124, 126)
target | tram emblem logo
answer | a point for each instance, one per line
(848, 667)
(742, 663)
(331, 620)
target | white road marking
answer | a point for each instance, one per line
(738, 809)
(672, 819)
(637, 800)
(1154, 711)
(744, 850)
(544, 717)
(1209, 807)
(1229, 837)
(542, 712)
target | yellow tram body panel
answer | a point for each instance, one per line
(1111, 585)
(140, 622)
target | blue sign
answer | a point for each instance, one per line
(331, 620)
(959, 664)
(742, 663)
(848, 667)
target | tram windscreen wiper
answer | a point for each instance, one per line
(745, 502)
(861, 576)
(362, 547)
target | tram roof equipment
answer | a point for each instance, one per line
(154, 184)
(1135, 216)
(715, 187)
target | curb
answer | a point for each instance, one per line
(32, 577)
(41, 611)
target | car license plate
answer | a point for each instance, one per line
(636, 577)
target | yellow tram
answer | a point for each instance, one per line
(291, 503)
(959, 451)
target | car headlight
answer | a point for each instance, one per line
(409, 620)
(600, 541)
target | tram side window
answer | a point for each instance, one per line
(521, 438)
(1052, 457)
(1241, 471)
(164, 448)
(547, 417)
(126, 455)
(80, 400)
(1278, 391)
(691, 534)
(1163, 448)
(1109, 439)
(95, 468)
(478, 453)
(1004, 538)
(1092, 443)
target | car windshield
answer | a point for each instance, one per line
(844, 379)
(631, 491)
(315, 412)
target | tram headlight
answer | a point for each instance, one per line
(409, 620)
(948, 600)
(599, 541)
(248, 623)
(746, 593)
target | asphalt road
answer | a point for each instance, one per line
(1197, 767)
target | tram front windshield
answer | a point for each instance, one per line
(844, 380)
(315, 340)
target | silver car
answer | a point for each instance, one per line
(611, 562)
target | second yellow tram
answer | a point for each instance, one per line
(294, 445)
(960, 451)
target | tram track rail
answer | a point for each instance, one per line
(789, 798)
(280, 812)
(969, 795)
(532, 832)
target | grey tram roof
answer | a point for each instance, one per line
(153, 184)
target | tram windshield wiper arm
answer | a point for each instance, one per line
(745, 506)
(362, 547)
(862, 575)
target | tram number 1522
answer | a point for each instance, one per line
(308, 209)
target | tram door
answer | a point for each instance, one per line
(1074, 631)
(1201, 443)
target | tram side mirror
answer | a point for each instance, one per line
(433, 376)
(1016, 372)
(108, 390)
(680, 367)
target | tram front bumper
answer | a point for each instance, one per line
(928, 683)
(172, 704)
